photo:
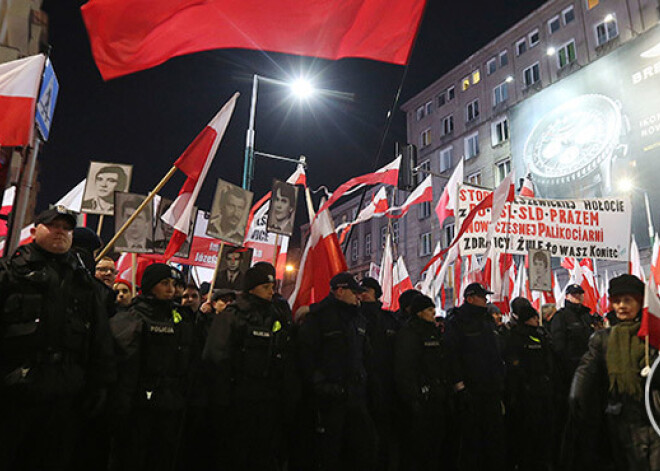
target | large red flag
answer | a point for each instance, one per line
(132, 35)
(447, 202)
(321, 260)
(195, 163)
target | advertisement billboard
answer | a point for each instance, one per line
(596, 132)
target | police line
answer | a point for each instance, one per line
(595, 228)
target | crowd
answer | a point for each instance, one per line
(174, 379)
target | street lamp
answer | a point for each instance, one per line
(551, 51)
(627, 185)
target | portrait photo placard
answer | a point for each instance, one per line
(138, 237)
(282, 210)
(103, 180)
(163, 231)
(540, 272)
(229, 213)
(234, 262)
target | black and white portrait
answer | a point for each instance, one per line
(138, 237)
(282, 208)
(103, 179)
(163, 231)
(540, 274)
(234, 262)
(229, 213)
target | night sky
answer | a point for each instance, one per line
(150, 117)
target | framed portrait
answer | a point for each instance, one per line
(540, 272)
(163, 231)
(282, 210)
(229, 213)
(234, 262)
(138, 237)
(103, 180)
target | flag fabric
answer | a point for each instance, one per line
(558, 292)
(655, 261)
(386, 276)
(401, 282)
(428, 284)
(422, 194)
(125, 267)
(131, 35)
(387, 175)
(377, 207)
(589, 284)
(321, 260)
(651, 316)
(195, 163)
(19, 89)
(447, 202)
(527, 188)
(635, 261)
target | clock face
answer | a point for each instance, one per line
(572, 140)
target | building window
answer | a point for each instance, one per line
(592, 3)
(425, 138)
(420, 113)
(446, 158)
(367, 245)
(499, 131)
(521, 46)
(606, 31)
(447, 124)
(472, 145)
(450, 93)
(395, 232)
(354, 250)
(566, 54)
(504, 58)
(428, 108)
(474, 178)
(449, 234)
(424, 210)
(500, 93)
(442, 98)
(472, 110)
(568, 14)
(534, 38)
(491, 66)
(553, 24)
(425, 244)
(531, 75)
(465, 83)
(503, 169)
(476, 77)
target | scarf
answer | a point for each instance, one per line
(625, 359)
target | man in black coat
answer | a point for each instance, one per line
(332, 343)
(476, 372)
(56, 352)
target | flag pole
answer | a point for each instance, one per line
(144, 204)
(133, 272)
(215, 271)
(310, 205)
(646, 351)
(276, 251)
(99, 226)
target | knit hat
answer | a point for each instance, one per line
(124, 282)
(626, 284)
(154, 274)
(256, 276)
(419, 303)
(523, 309)
(368, 282)
(85, 238)
(266, 267)
(406, 298)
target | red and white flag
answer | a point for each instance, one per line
(655, 261)
(387, 175)
(589, 284)
(527, 187)
(195, 163)
(132, 35)
(321, 260)
(386, 276)
(125, 267)
(635, 261)
(19, 89)
(651, 316)
(401, 282)
(558, 292)
(377, 207)
(428, 285)
(447, 203)
(422, 194)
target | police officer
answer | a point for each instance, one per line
(147, 405)
(528, 358)
(332, 343)
(422, 382)
(381, 331)
(477, 374)
(56, 353)
(249, 343)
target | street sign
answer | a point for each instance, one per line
(47, 100)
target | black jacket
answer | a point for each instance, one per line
(571, 329)
(420, 366)
(472, 351)
(528, 358)
(332, 347)
(54, 334)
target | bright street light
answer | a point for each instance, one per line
(289, 268)
(626, 185)
(302, 88)
(509, 79)
(551, 51)
(608, 18)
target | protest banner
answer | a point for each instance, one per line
(594, 228)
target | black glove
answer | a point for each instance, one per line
(94, 403)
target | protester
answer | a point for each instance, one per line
(529, 403)
(381, 331)
(332, 343)
(155, 342)
(403, 315)
(476, 372)
(609, 375)
(56, 353)
(124, 294)
(191, 297)
(422, 381)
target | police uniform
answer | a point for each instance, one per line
(56, 354)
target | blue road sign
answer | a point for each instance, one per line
(47, 99)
